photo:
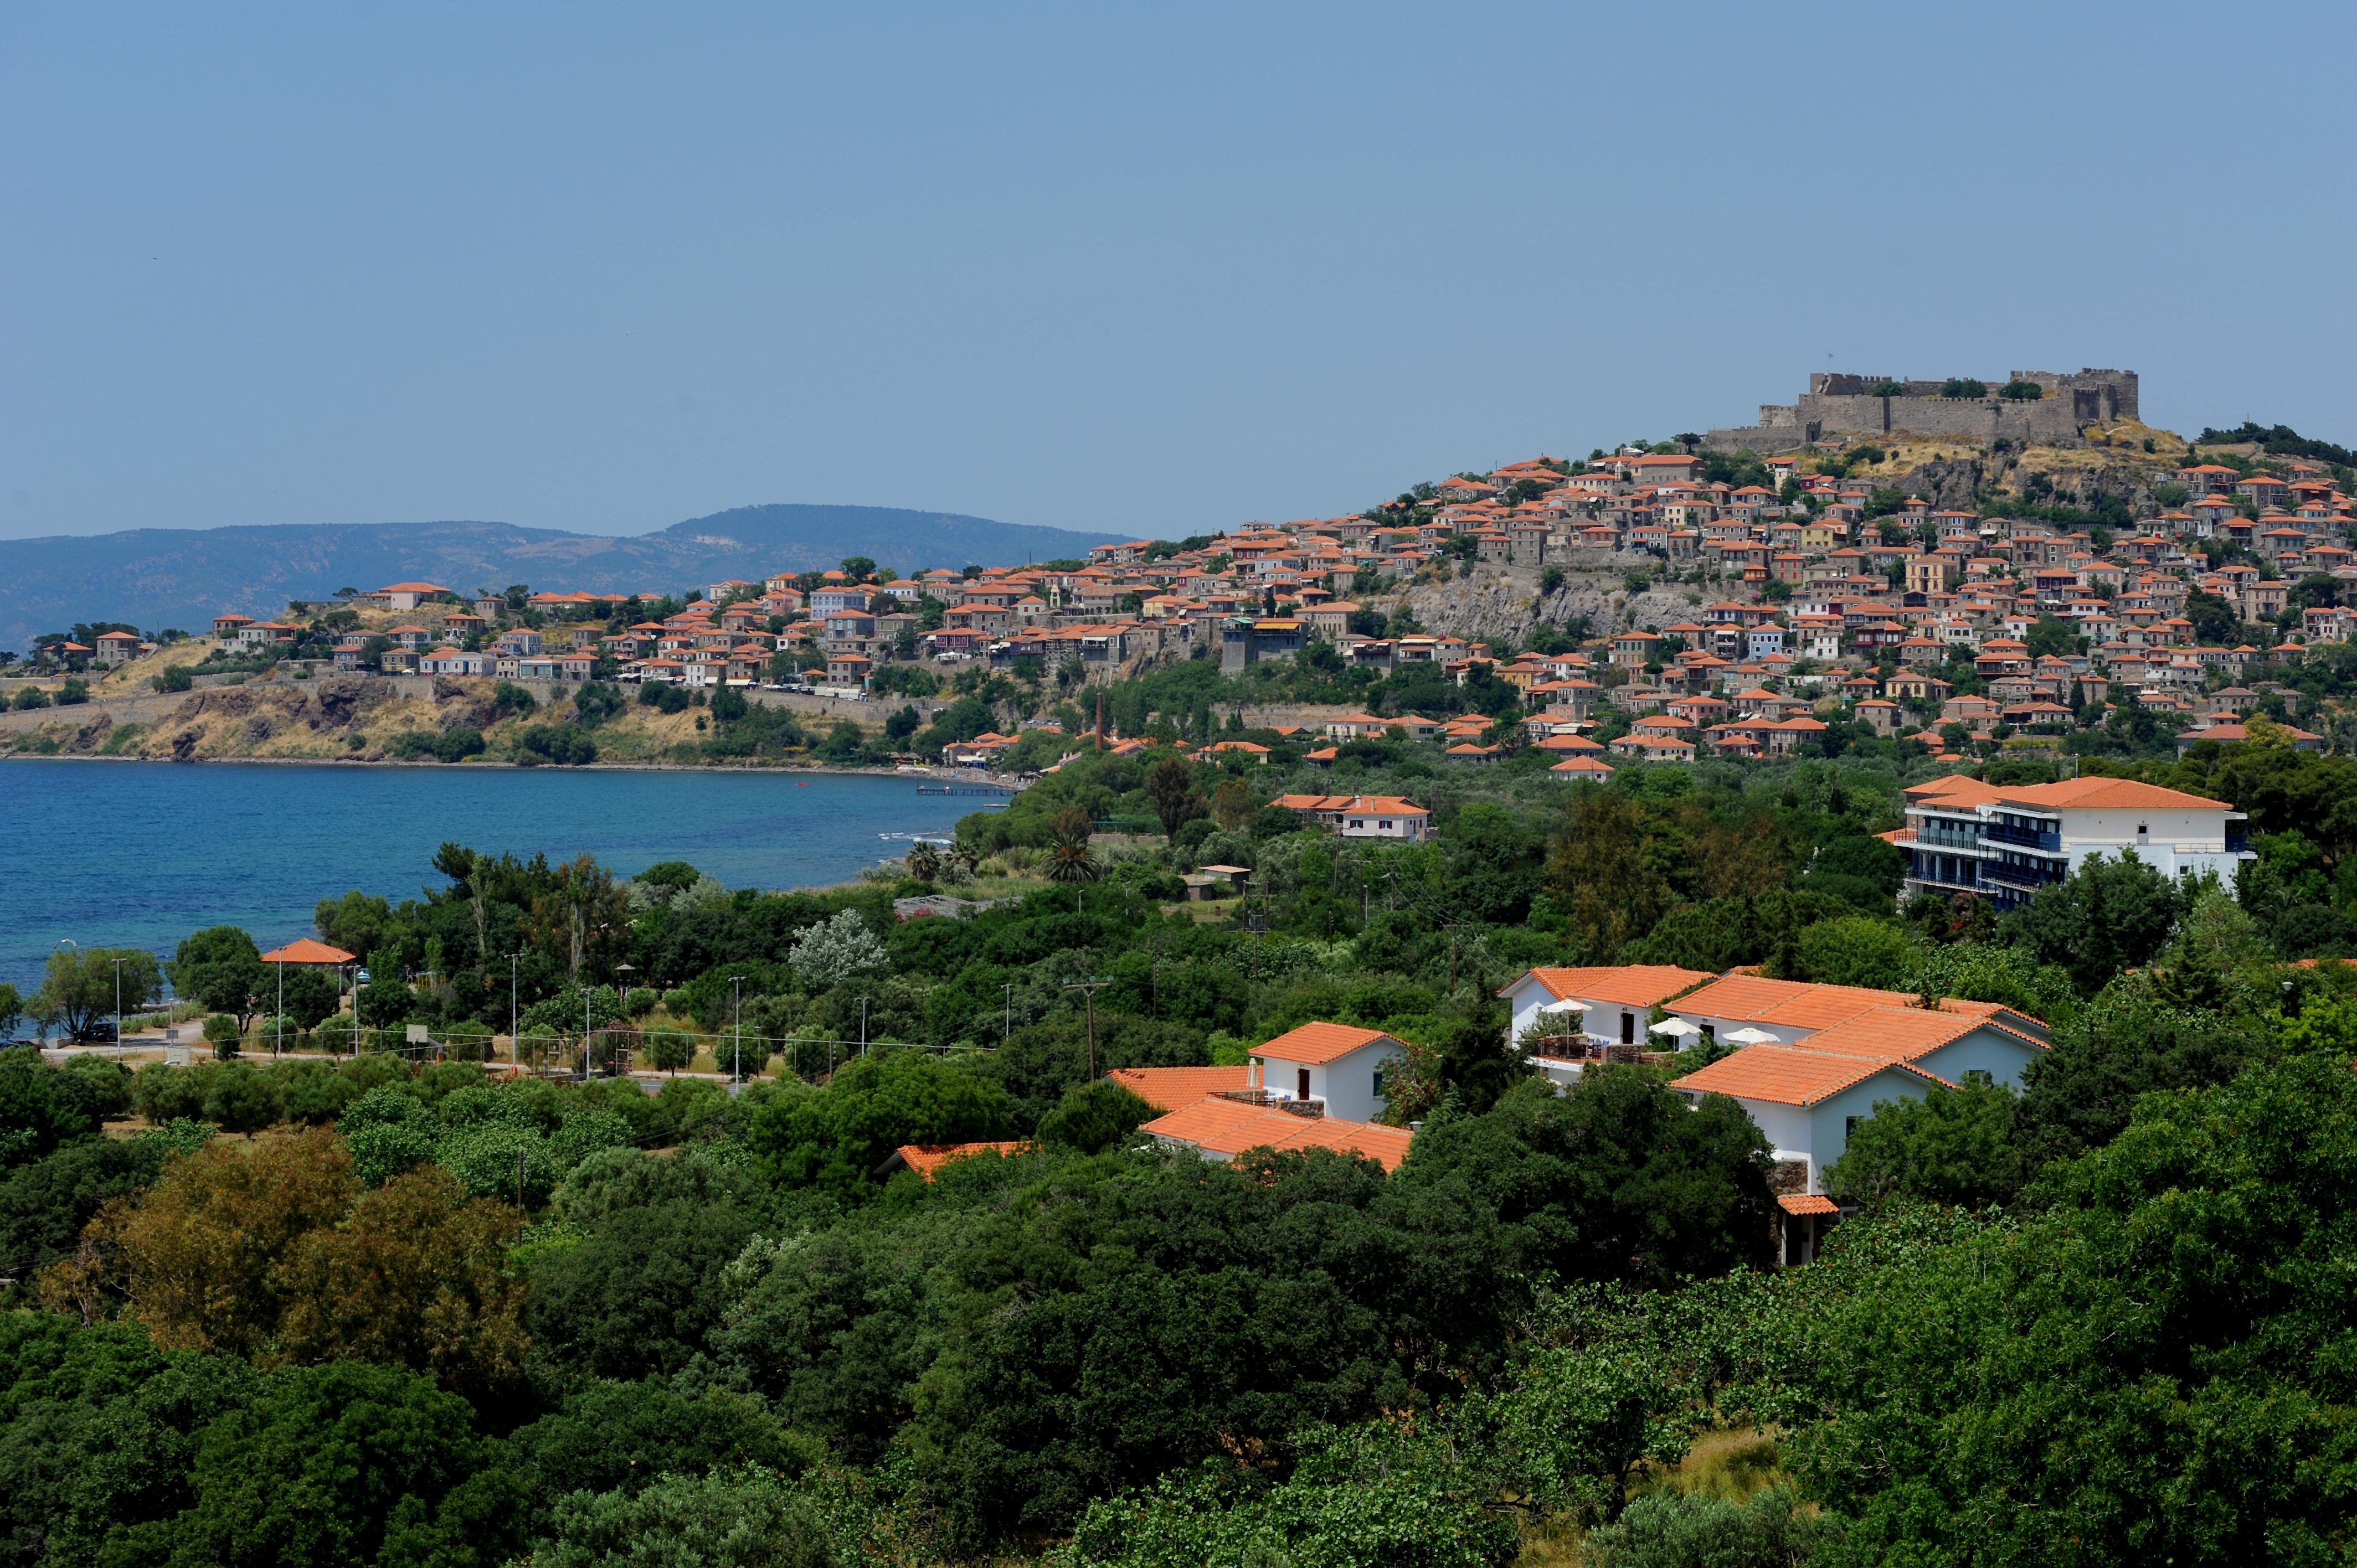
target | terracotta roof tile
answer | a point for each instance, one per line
(1169, 1089)
(1314, 1045)
(1627, 984)
(1794, 1075)
(926, 1159)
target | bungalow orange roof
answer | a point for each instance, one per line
(1314, 1045)
(1906, 1034)
(1169, 1089)
(1582, 766)
(1794, 1075)
(1228, 1127)
(1624, 985)
(927, 1159)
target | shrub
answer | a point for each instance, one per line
(564, 746)
(175, 678)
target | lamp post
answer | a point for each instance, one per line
(63, 942)
(118, 1005)
(1088, 989)
(737, 1028)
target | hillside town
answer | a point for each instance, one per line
(1810, 600)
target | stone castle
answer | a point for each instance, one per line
(1844, 406)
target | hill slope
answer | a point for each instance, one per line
(156, 577)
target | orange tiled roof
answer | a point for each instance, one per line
(1314, 1045)
(1627, 984)
(1227, 1127)
(303, 949)
(1794, 1075)
(926, 1159)
(1169, 1089)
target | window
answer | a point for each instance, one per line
(1849, 1127)
(1379, 1083)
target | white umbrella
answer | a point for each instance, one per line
(1749, 1037)
(1677, 1027)
(1560, 1007)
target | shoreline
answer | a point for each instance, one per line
(920, 773)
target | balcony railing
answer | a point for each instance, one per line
(2029, 838)
(2019, 875)
(2237, 844)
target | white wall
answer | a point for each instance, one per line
(1982, 1050)
(1346, 1084)
(1830, 1118)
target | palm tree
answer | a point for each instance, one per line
(1069, 859)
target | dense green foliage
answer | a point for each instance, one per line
(428, 1312)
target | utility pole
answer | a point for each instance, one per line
(516, 1040)
(863, 1026)
(737, 985)
(118, 1005)
(1088, 989)
(1007, 1029)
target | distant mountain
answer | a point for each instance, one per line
(156, 577)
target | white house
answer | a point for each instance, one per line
(1362, 816)
(453, 662)
(1612, 1002)
(1957, 1039)
(1340, 1067)
(2004, 843)
(1807, 1102)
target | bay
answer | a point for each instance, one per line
(139, 854)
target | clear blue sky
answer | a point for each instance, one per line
(1145, 270)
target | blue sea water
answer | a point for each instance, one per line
(139, 854)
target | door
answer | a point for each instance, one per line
(1628, 1028)
(1305, 1083)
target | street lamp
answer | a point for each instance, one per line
(118, 1006)
(63, 942)
(737, 1028)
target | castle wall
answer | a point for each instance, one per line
(1837, 404)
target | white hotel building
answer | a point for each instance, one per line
(2005, 842)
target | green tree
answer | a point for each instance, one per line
(1094, 1117)
(1177, 801)
(350, 1464)
(2107, 914)
(1953, 1146)
(80, 986)
(738, 1517)
(1856, 950)
(221, 970)
(2076, 1388)
(835, 1137)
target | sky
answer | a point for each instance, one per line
(1148, 270)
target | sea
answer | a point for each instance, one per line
(105, 853)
